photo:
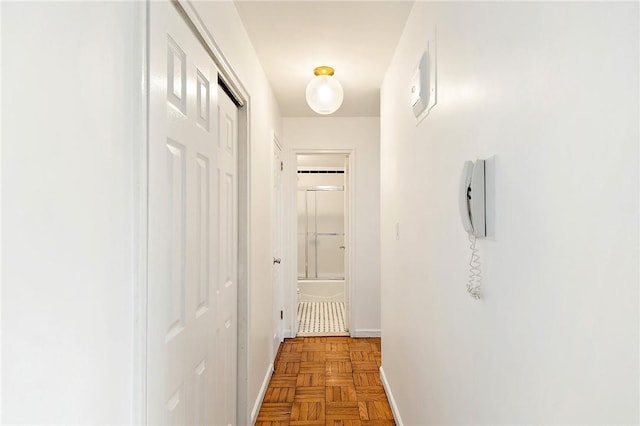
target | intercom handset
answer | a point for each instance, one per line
(472, 198)
(472, 203)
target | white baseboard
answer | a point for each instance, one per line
(392, 401)
(366, 332)
(263, 390)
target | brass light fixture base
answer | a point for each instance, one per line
(323, 70)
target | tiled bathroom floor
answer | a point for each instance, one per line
(321, 319)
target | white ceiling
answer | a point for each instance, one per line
(321, 160)
(357, 38)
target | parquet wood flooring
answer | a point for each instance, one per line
(326, 381)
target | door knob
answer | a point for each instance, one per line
(342, 247)
(276, 260)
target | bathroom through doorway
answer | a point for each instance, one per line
(323, 206)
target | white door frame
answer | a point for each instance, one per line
(292, 219)
(241, 95)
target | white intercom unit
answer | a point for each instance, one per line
(472, 198)
(423, 84)
(473, 213)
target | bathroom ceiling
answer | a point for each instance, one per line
(357, 38)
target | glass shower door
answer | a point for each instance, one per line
(321, 233)
(329, 221)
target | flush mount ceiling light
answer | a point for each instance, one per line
(324, 92)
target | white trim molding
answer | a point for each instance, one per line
(140, 229)
(263, 391)
(392, 401)
(366, 332)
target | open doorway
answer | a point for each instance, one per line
(322, 282)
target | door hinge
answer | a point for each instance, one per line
(281, 165)
(281, 315)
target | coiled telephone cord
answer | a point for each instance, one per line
(475, 273)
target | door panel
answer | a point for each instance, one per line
(277, 242)
(192, 241)
(227, 290)
(175, 211)
(203, 233)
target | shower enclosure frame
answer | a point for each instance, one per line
(319, 188)
(292, 249)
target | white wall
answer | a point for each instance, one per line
(363, 135)
(225, 27)
(552, 91)
(70, 139)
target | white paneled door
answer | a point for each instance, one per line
(277, 242)
(227, 278)
(192, 231)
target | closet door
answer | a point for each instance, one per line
(187, 224)
(226, 291)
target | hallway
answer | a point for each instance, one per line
(326, 381)
(151, 191)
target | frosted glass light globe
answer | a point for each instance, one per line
(324, 94)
